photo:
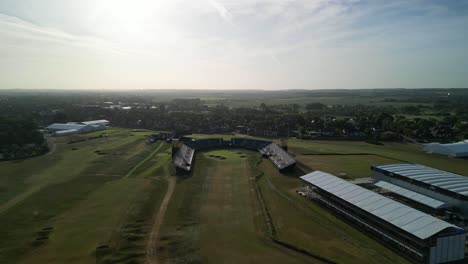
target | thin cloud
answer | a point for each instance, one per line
(324, 36)
(223, 12)
(18, 28)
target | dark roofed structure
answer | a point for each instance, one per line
(278, 156)
(184, 157)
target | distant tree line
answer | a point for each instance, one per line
(439, 116)
(315, 120)
(20, 138)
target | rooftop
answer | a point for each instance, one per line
(394, 213)
(95, 122)
(417, 197)
(278, 155)
(452, 182)
(457, 149)
(59, 126)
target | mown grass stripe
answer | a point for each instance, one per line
(144, 160)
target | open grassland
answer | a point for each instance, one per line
(229, 229)
(327, 100)
(227, 136)
(88, 200)
(345, 166)
(95, 200)
(214, 215)
(400, 152)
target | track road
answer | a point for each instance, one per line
(151, 247)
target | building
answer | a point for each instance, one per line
(277, 155)
(411, 233)
(65, 132)
(280, 158)
(426, 202)
(458, 149)
(78, 128)
(183, 158)
(444, 186)
(59, 129)
(101, 122)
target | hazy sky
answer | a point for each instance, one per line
(233, 44)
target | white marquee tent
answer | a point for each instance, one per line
(458, 149)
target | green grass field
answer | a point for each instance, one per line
(59, 207)
(328, 100)
(214, 201)
(94, 201)
(214, 216)
(345, 166)
(399, 152)
(227, 136)
(301, 222)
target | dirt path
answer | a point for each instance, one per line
(151, 256)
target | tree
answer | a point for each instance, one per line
(19, 138)
(315, 106)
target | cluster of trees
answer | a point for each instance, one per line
(386, 119)
(20, 138)
(311, 120)
(375, 122)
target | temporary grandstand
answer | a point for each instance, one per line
(444, 186)
(251, 144)
(279, 157)
(202, 144)
(413, 234)
(458, 149)
(184, 157)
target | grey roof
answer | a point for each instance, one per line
(183, 158)
(63, 132)
(399, 215)
(278, 156)
(96, 122)
(446, 180)
(417, 197)
(58, 126)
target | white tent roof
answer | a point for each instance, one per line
(458, 149)
(96, 122)
(66, 132)
(58, 126)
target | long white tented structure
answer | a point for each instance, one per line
(69, 128)
(458, 149)
(412, 233)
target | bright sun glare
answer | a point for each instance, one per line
(127, 20)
